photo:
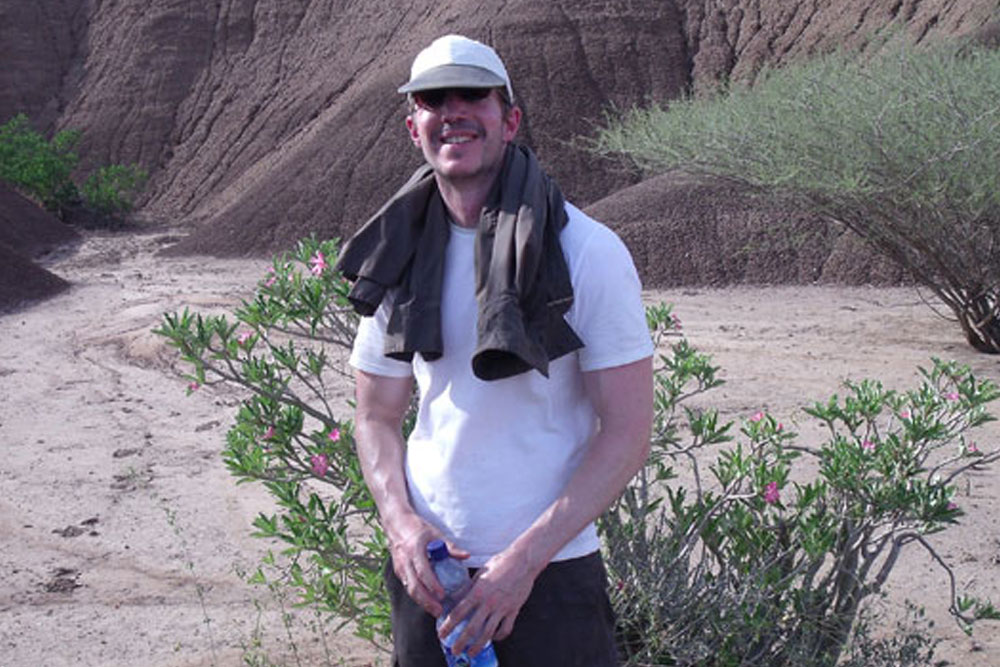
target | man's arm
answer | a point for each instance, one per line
(623, 399)
(382, 402)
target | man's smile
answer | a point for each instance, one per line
(457, 135)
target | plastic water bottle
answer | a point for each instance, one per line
(454, 578)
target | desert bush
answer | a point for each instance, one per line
(749, 564)
(909, 645)
(743, 565)
(39, 168)
(111, 190)
(43, 171)
(900, 147)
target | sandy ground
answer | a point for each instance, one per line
(123, 540)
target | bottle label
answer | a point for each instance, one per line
(485, 658)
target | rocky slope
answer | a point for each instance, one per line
(27, 233)
(261, 121)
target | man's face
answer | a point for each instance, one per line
(462, 132)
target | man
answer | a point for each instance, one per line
(521, 320)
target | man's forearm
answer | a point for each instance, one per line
(382, 403)
(382, 453)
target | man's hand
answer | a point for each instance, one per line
(408, 547)
(498, 592)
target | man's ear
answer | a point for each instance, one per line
(412, 127)
(511, 122)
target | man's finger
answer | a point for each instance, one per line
(477, 632)
(487, 633)
(424, 597)
(506, 627)
(425, 575)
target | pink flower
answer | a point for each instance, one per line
(779, 427)
(904, 414)
(952, 506)
(244, 337)
(757, 417)
(334, 435)
(317, 264)
(771, 493)
(271, 278)
(269, 433)
(953, 396)
(193, 386)
(320, 464)
(972, 448)
(868, 445)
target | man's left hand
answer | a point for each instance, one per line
(499, 590)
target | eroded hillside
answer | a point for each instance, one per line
(261, 121)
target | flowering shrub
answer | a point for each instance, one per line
(283, 348)
(754, 566)
(746, 565)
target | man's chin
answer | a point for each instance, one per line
(456, 169)
(455, 153)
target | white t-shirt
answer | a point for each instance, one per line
(485, 459)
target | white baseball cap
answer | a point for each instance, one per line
(454, 61)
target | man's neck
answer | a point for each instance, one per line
(465, 199)
(464, 207)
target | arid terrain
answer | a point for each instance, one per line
(124, 541)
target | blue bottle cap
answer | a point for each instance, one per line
(437, 550)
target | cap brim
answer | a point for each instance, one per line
(453, 76)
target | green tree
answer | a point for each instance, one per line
(111, 190)
(43, 170)
(39, 168)
(902, 148)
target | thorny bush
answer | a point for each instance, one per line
(900, 145)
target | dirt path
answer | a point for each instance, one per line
(122, 537)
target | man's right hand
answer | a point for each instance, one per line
(408, 539)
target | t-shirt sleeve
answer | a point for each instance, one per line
(368, 353)
(607, 312)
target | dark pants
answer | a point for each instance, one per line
(566, 621)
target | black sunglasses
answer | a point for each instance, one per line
(434, 98)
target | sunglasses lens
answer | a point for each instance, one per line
(473, 94)
(433, 99)
(430, 99)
